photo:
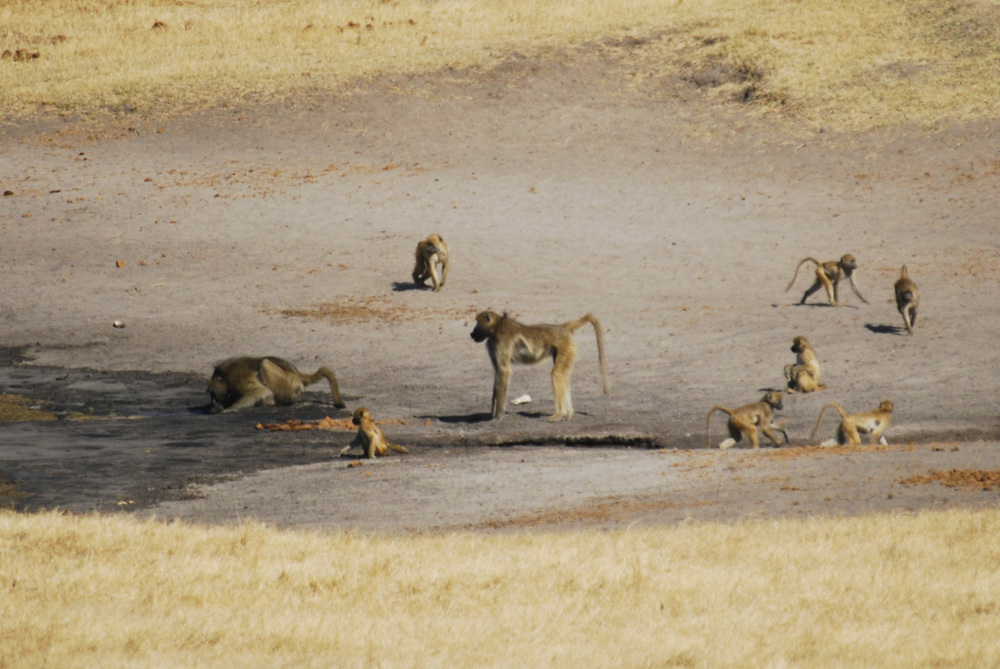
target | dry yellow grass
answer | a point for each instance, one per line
(874, 591)
(855, 63)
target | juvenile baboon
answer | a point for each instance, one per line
(370, 436)
(239, 383)
(907, 299)
(870, 422)
(508, 341)
(745, 420)
(828, 275)
(803, 376)
(430, 253)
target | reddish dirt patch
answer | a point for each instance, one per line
(973, 479)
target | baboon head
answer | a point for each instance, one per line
(433, 243)
(360, 414)
(775, 399)
(885, 406)
(800, 343)
(487, 323)
(848, 263)
(218, 390)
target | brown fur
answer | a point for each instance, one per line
(240, 383)
(907, 299)
(870, 422)
(509, 341)
(804, 375)
(745, 420)
(370, 437)
(828, 275)
(431, 253)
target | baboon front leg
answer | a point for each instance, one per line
(769, 432)
(260, 395)
(435, 279)
(354, 442)
(500, 380)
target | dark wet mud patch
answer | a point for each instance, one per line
(124, 440)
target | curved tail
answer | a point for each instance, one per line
(840, 410)
(708, 423)
(397, 448)
(573, 326)
(796, 275)
(325, 372)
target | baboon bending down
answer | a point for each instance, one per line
(803, 376)
(370, 437)
(430, 253)
(907, 299)
(508, 341)
(239, 383)
(828, 275)
(870, 422)
(745, 420)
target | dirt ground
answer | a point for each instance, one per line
(289, 230)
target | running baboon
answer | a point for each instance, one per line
(370, 437)
(508, 341)
(870, 422)
(430, 253)
(803, 376)
(239, 383)
(907, 299)
(745, 420)
(828, 275)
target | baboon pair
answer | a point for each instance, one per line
(745, 420)
(829, 274)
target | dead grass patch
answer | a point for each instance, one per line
(18, 408)
(881, 590)
(373, 308)
(853, 64)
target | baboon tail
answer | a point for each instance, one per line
(397, 448)
(321, 373)
(812, 437)
(903, 274)
(573, 326)
(708, 423)
(797, 267)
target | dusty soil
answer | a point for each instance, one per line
(289, 230)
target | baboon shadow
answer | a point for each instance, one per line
(783, 389)
(403, 286)
(470, 418)
(885, 329)
(824, 304)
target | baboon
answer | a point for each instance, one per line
(803, 376)
(745, 420)
(430, 253)
(508, 341)
(370, 436)
(239, 383)
(907, 299)
(870, 422)
(828, 275)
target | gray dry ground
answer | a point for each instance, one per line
(676, 221)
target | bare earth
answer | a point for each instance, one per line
(290, 231)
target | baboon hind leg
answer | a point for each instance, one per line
(562, 368)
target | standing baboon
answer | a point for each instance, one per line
(803, 376)
(509, 341)
(907, 299)
(870, 422)
(370, 437)
(828, 275)
(430, 253)
(239, 383)
(745, 420)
